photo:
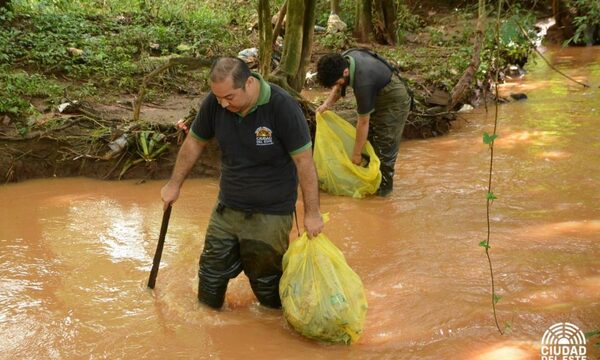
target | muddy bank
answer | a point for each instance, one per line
(98, 141)
(49, 157)
(82, 141)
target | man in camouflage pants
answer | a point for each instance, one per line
(382, 101)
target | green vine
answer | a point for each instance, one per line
(490, 197)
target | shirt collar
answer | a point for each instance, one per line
(263, 96)
(352, 69)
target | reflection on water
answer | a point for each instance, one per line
(75, 253)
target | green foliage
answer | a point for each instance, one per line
(436, 36)
(335, 41)
(513, 48)
(346, 12)
(592, 334)
(488, 139)
(447, 55)
(150, 145)
(105, 44)
(496, 298)
(407, 22)
(515, 45)
(18, 87)
(588, 17)
(6, 15)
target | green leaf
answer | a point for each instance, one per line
(488, 139)
(159, 151)
(491, 196)
(496, 298)
(183, 47)
(484, 243)
(143, 142)
(591, 333)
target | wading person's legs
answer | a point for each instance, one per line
(262, 245)
(263, 239)
(220, 260)
(386, 127)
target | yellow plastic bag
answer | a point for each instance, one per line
(322, 298)
(334, 144)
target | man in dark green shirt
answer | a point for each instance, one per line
(266, 152)
(382, 102)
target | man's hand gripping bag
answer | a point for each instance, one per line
(334, 144)
(322, 298)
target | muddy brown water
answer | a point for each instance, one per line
(75, 253)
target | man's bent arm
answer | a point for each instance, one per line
(362, 132)
(186, 159)
(334, 96)
(307, 174)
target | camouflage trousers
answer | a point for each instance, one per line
(386, 125)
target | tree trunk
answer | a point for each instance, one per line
(363, 21)
(385, 23)
(265, 49)
(279, 23)
(298, 44)
(335, 6)
(463, 84)
(390, 11)
(559, 9)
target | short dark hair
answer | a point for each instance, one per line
(330, 69)
(227, 66)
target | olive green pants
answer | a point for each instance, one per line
(252, 242)
(386, 125)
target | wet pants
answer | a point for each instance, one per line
(239, 240)
(386, 125)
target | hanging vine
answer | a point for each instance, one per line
(490, 197)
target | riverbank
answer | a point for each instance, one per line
(94, 136)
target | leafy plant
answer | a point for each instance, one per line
(150, 145)
(436, 36)
(588, 18)
(408, 20)
(106, 44)
(335, 41)
(512, 47)
(19, 86)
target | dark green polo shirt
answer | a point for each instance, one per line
(257, 170)
(368, 75)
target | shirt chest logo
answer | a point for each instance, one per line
(264, 136)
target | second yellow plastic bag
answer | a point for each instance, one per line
(334, 143)
(322, 298)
